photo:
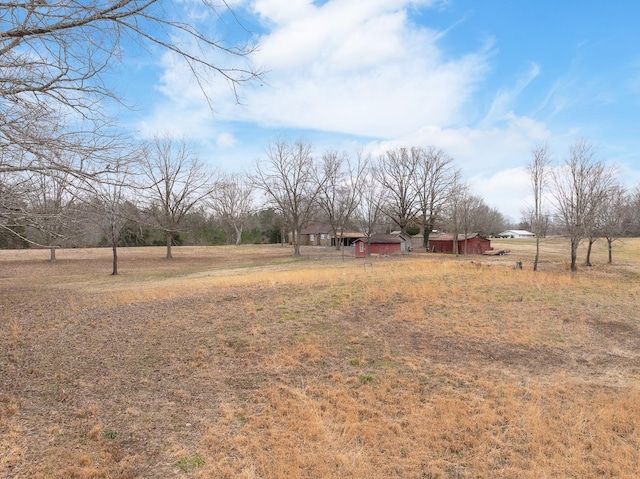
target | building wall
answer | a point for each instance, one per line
(377, 248)
(386, 248)
(361, 249)
(474, 246)
(441, 246)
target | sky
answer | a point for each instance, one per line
(483, 80)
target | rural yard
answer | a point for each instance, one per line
(244, 362)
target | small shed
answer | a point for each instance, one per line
(474, 243)
(380, 245)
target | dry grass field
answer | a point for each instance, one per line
(240, 362)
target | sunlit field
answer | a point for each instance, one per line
(243, 362)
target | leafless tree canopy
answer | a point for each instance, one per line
(370, 196)
(55, 62)
(434, 179)
(176, 181)
(54, 57)
(456, 216)
(290, 182)
(110, 206)
(338, 197)
(231, 200)
(395, 171)
(60, 50)
(614, 217)
(580, 187)
(538, 170)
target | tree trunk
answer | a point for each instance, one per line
(425, 237)
(114, 248)
(238, 235)
(610, 248)
(587, 261)
(454, 248)
(169, 244)
(52, 256)
(296, 243)
(574, 254)
(535, 259)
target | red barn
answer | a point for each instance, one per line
(474, 243)
(380, 245)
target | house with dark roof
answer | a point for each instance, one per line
(316, 235)
(323, 235)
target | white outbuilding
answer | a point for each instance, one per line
(517, 234)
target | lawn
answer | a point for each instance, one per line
(241, 362)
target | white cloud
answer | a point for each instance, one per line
(478, 150)
(507, 190)
(360, 68)
(226, 140)
(505, 99)
(282, 11)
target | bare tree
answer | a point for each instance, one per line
(40, 208)
(338, 197)
(487, 220)
(50, 209)
(634, 200)
(176, 181)
(469, 207)
(13, 204)
(232, 203)
(580, 186)
(55, 57)
(56, 66)
(615, 217)
(12, 207)
(289, 180)
(456, 213)
(368, 209)
(109, 204)
(538, 170)
(395, 170)
(434, 179)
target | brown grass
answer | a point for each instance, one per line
(241, 362)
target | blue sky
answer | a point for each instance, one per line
(484, 80)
